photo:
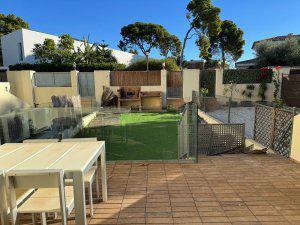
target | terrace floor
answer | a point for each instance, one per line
(228, 189)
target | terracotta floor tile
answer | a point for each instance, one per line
(271, 218)
(134, 220)
(159, 214)
(103, 221)
(159, 220)
(187, 220)
(219, 190)
(214, 219)
(159, 209)
(132, 214)
(242, 219)
(185, 214)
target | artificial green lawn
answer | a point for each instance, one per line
(140, 136)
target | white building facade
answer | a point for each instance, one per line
(17, 47)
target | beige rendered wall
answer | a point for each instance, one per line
(190, 83)
(21, 85)
(43, 94)
(74, 82)
(101, 78)
(219, 83)
(239, 88)
(295, 151)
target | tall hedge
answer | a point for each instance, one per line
(208, 80)
(50, 67)
(247, 76)
(154, 64)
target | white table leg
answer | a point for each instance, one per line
(43, 219)
(97, 183)
(79, 198)
(3, 202)
(33, 219)
(103, 176)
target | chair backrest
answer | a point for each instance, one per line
(40, 140)
(132, 92)
(36, 179)
(78, 139)
(3, 201)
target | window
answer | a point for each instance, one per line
(20, 48)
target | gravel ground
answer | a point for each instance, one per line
(238, 115)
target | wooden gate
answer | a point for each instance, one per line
(174, 84)
(290, 91)
(86, 84)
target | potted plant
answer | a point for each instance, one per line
(247, 94)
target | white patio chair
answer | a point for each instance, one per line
(40, 140)
(90, 177)
(21, 196)
(51, 195)
(2, 200)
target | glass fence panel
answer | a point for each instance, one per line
(136, 136)
(128, 135)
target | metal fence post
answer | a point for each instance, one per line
(204, 104)
(294, 111)
(197, 135)
(188, 129)
(229, 109)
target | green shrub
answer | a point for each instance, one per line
(247, 76)
(208, 80)
(154, 64)
(100, 66)
(262, 91)
(51, 67)
(279, 53)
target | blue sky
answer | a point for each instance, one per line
(103, 19)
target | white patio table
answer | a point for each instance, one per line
(75, 158)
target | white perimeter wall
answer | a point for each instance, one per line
(10, 49)
(29, 38)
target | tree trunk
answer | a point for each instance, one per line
(183, 46)
(147, 61)
(223, 59)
